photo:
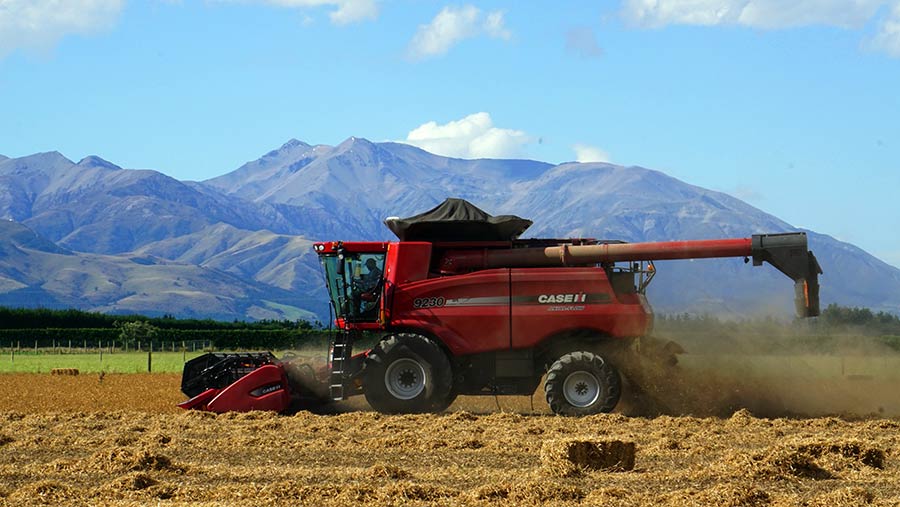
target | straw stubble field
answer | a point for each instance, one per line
(119, 441)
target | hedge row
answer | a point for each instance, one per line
(229, 339)
(26, 318)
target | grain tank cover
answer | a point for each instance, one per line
(457, 220)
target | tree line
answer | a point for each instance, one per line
(838, 329)
(834, 319)
(36, 318)
(43, 328)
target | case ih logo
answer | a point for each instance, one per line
(562, 298)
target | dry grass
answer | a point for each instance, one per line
(145, 392)
(120, 442)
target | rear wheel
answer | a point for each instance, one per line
(407, 373)
(582, 383)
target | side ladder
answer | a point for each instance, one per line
(341, 352)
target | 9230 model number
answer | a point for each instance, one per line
(433, 302)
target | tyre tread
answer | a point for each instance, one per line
(582, 361)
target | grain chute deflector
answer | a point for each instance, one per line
(790, 254)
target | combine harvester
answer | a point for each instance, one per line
(460, 306)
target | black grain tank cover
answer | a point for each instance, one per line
(457, 220)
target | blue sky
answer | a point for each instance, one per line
(791, 106)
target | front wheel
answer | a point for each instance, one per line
(407, 373)
(582, 383)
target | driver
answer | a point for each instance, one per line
(364, 285)
(371, 279)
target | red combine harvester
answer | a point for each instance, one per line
(459, 305)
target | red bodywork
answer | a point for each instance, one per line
(477, 297)
(505, 308)
(265, 388)
(484, 310)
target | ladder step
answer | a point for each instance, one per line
(341, 352)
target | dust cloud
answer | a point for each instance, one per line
(790, 373)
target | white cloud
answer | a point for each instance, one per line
(453, 25)
(765, 14)
(346, 11)
(40, 24)
(888, 37)
(772, 15)
(471, 137)
(587, 153)
(351, 11)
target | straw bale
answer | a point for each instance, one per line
(570, 457)
(64, 371)
(5, 439)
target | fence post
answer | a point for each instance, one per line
(150, 359)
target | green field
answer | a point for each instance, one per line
(94, 362)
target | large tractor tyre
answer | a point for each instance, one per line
(582, 383)
(407, 373)
(440, 407)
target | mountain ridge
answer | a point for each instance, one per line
(257, 222)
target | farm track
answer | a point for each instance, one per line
(80, 441)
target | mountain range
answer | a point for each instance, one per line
(95, 236)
